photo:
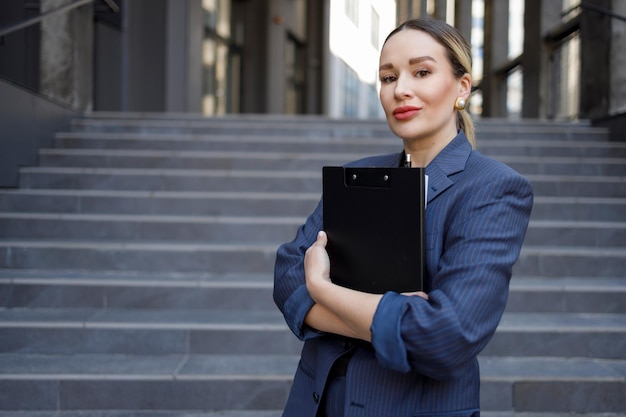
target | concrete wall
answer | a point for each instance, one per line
(28, 123)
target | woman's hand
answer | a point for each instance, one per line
(338, 310)
(317, 265)
(416, 294)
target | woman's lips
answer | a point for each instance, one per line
(405, 112)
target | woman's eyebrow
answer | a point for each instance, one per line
(419, 59)
(412, 61)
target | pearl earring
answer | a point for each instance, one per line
(460, 103)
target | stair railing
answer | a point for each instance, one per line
(61, 9)
(595, 8)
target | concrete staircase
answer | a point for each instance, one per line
(136, 267)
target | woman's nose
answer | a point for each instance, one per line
(403, 88)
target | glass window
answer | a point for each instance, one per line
(350, 91)
(352, 11)
(374, 32)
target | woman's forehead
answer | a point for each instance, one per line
(411, 45)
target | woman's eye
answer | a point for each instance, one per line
(387, 79)
(422, 73)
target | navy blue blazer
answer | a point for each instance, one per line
(424, 356)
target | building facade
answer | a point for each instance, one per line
(533, 58)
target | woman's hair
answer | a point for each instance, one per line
(459, 54)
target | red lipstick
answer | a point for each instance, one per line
(405, 112)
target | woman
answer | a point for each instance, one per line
(412, 354)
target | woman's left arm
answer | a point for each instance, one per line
(485, 223)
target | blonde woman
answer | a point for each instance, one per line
(412, 354)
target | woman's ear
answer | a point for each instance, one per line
(465, 85)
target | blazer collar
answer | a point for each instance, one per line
(448, 162)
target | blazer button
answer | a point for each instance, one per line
(347, 344)
(316, 397)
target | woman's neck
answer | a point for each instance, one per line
(423, 151)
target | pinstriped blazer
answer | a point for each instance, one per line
(423, 361)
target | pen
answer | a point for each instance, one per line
(407, 160)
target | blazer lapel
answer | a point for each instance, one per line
(450, 161)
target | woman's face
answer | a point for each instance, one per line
(418, 88)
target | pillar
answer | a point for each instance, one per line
(495, 55)
(545, 15)
(410, 9)
(618, 62)
(463, 18)
(275, 87)
(441, 9)
(595, 71)
(66, 62)
(183, 89)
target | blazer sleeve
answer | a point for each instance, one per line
(483, 226)
(290, 293)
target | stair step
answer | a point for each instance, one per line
(240, 203)
(138, 256)
(163, 159)
(576, 233)
(579, 208)
(128, 290)
(258, 229)
(568, 385)
(235, 203)
(532, 165)
(172, 159)
(310, 125)
(262, 180)
(146, 332)
(545, 261)
(572, 261)
(559, 335)
(254, 413)
(357, 145)
(578, 185)
(210, 382)
(160, 413)
(567, 295)
(163, 180)
(163, 382)
(175, 290)
(241, 331)
(130, 227)
(230, 142)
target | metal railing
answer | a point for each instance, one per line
(30, 36)
(563, 45)
(61, 9)
(594, 8)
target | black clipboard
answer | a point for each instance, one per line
(375, 222)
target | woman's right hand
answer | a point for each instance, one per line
(416, 293)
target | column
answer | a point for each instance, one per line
(441, 9)
(275, 87)
(495, 56)
(618, 62)
(595, 61)
(539, 18)
(463, 18)
(183, 90)
(66, 64)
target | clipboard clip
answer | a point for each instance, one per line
(367, 177)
